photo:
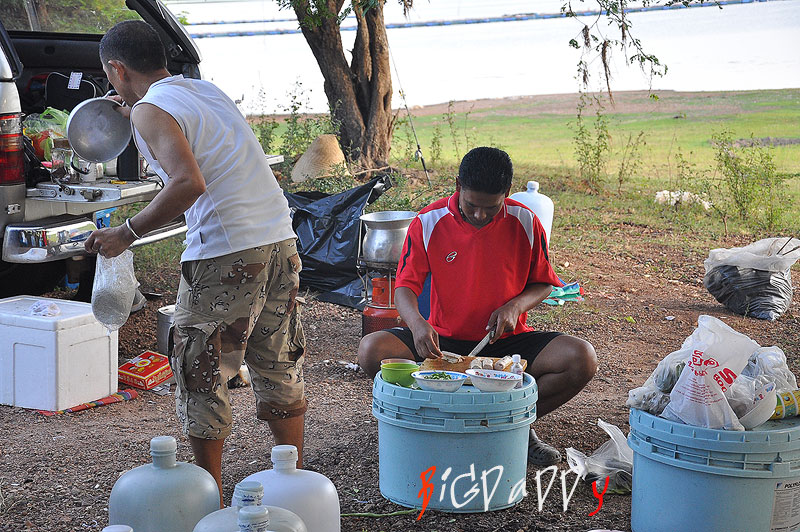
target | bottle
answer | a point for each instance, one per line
(164, 495)
(118, 528)
(308, 494)
(249, 493)
(541, 205)
(253, 519)
(516, 368)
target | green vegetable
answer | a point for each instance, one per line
(439, 376)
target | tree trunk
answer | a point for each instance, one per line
(360, 93)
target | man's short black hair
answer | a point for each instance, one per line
(486, 170)
(136, 44)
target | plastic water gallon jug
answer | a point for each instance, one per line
(253, 519)
(166, 495)
(308, 494)
(118, 528)
(541, 205)
(249, 493)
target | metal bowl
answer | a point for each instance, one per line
(96, 131)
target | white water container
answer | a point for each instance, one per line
(166, 495)
(249, 493)
(541, 205)
(310, 495)
(118, 528)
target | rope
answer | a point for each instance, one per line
(418, 153)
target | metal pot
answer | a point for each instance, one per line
(96, 131)
(385, 235)
(164, 325)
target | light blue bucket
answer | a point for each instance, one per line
(477, 442)
(692, 479)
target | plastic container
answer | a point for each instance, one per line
(453, 441)
(516, 368)
(688, 478)
(164, 320)
(253, 519)
(54, 362)
(118, 528)
(308, 494)
(166, 495)
(541, 205)
(249, 493)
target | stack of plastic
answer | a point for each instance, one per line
(246, 494)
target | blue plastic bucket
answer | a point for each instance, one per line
(471, 447)
(692, 479)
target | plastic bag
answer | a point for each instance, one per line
(754, 280)
(768, 364)
(114, 289)
(613, 459)
(42, 128)
(718, 356)
(653, 396)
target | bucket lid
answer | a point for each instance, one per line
(466, 410)
(16, 311)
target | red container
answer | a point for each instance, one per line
(382, 291)
(378, 318)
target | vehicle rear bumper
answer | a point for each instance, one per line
(36, 242)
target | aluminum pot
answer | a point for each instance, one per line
(96, 131)
(164, 326)
(385, 235)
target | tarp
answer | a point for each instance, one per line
(328, 228)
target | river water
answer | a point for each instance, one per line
(738, 47)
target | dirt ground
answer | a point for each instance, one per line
(56, 473)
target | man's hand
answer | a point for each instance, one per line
(109, 242)
(426, 340)
(123, 109)
(504, 320)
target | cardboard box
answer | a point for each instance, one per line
(54, 362)
(145, 371)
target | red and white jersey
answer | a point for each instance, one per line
(474, 271)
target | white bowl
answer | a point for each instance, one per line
(762, 410)
(492, 380)
(439, 385)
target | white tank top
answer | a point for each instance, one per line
(243, 206)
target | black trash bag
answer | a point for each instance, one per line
(748, 292)
(754, 280)
(327, 229)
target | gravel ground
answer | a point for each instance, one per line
(56, 473)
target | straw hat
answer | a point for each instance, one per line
(323, 154)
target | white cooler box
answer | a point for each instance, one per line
(53, 363)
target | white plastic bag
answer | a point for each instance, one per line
(114, 289)
(718, 354)
(613, 459)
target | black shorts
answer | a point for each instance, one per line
(528, 344)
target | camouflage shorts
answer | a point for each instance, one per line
(235, 308)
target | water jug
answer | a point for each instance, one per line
(253, 519)
(118, 528)
(308, 494)
(249, 493)
(166, 495)
(541, 205)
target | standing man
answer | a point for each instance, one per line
(488, 261)
(240, 270)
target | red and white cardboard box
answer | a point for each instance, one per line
(145, 371)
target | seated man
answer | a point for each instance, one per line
(487, 257)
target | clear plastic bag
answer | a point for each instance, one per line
(613, 459)
(114, 289)
(754, 280)
(768, 364)
(653, 395)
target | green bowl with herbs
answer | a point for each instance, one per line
(439, 381)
